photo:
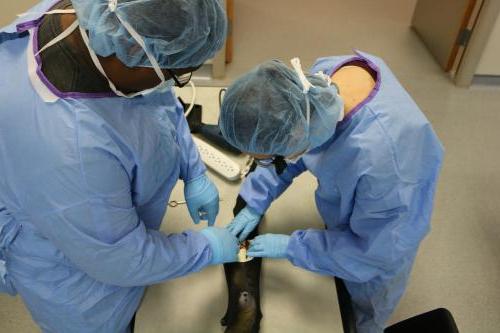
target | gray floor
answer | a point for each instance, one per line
(457, 267)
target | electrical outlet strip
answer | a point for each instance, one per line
(218, 161)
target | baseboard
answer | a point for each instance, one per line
(486, 81)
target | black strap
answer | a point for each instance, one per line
(279, 164)
(6, 36)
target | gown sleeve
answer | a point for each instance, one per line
(388, 221)
(264, 185)
(191, 164)
(84, 205)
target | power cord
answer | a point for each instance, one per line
(191, 106)
(222, 92)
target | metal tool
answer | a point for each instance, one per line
(175, 203)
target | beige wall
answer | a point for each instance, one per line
(10, 8)
(490, 60)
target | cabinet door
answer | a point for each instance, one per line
(445, 26)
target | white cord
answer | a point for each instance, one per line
(306, 85)
(191, 106)
(249, 160)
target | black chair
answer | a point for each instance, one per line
(435, 321)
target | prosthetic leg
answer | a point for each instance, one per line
(243, 313)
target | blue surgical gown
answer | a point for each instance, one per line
(376, 181)
(84, 184)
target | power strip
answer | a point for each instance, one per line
(217, 161)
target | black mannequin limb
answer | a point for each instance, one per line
(243, 313)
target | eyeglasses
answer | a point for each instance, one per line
(278, 162)
(265, 162)
(180, 80)
(296, 157)
(274, 160)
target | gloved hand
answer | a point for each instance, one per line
(269, 246)
(202, 199)
(224, 245)
(243, 224)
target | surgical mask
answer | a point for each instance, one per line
(306, 85)
(163, 87)
(164, 84)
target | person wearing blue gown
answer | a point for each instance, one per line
(92, 142)
(375, 157)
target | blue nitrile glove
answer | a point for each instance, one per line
(269, 246)
(243, 224)
(224, 245)
(202, 199)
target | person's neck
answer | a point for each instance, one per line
(355, 85)
(81, 52)
(126, 79)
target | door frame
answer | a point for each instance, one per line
(488, 14)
